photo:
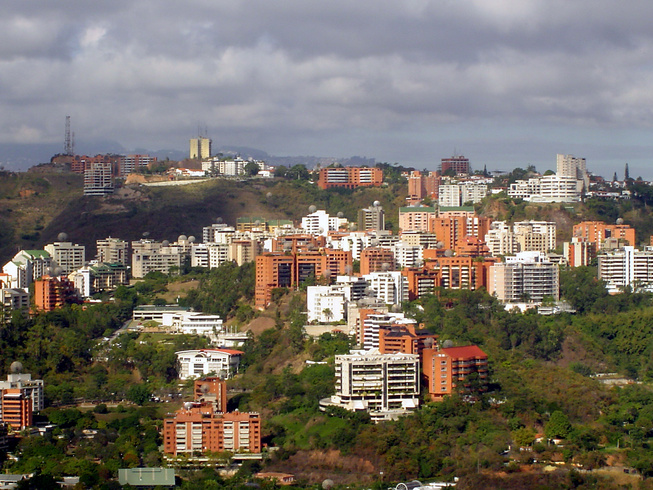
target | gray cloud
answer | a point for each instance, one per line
(390, 79)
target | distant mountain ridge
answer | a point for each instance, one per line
(18, 157)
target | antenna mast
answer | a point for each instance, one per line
(68, 141)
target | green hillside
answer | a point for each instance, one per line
(35, 208)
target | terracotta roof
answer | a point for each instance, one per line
(466, 351)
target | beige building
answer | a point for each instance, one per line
(200, 148)
(528, 277)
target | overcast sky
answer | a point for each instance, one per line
(505, 82)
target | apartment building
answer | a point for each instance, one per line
(148, 256)
(285, 270)
(376, 259)
(597, 232)
(421, 186)
(371, 219)
(549, 188)
(579, 252)
(23, 395)
(405, 338)
(451, 230)
(570, 166)
(51, 293)
(25, 267)
(13, 299)
(445, 369)
(66, 256)
(416, 218)
(384, 385)
(98, 178)
(211, 390)
(198, 429)
(457, 164)
(627, 267)
(113, 251)
(349, 177)
(320, 223)
(389, 287)
(130, 164)
(528, 277)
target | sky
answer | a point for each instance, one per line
(506, 83)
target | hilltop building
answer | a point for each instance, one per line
(206, 362)
(349, 177)
(457, 164)
(200, 148)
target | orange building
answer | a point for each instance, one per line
(421, 186)
(459, 272)
(421, 281)
(197, 428)
(376, 259)
(211, 390)
(285, 270)
(350, 177)
(598, 232)
(16, 408)
(297, 243)
(50, 293)
(404, 338)
(444, 369)
(451, 230)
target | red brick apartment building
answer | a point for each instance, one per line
(445, 369)
(16, 408)
(350, 177)
(597, 232)
(199, 429)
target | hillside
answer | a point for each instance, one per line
(35, 208)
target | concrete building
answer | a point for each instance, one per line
(51, 293)
(130, 164)
(212, 391)
(416, 218)
(627, 267)
(579, 252)
(148, 255)
(13, 299)
(528, 277)
(66, 256)
(320, 223)
(98, 179)
(535, 236)
(570, 166)
(113, 251)
(25, 267)
(206, 362)
(325, 304)
(384, 385)
(374, 322)
(285, 270)
(549, 188)
(388, 287)
(448, 368)
(200, 148)
(349, 177)
(371, 219)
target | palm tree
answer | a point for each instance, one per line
(328, 314)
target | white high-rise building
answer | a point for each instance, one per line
(390, 287)
(385, 385)
(627, 267)
(320, 223)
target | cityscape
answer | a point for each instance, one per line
(366, 283)
(326, 245)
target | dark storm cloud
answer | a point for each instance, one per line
(288, 74)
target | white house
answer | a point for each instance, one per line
(203, 362)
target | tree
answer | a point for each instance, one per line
(328, 314)
(252, 168)
(558, 426)
(139, 394)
